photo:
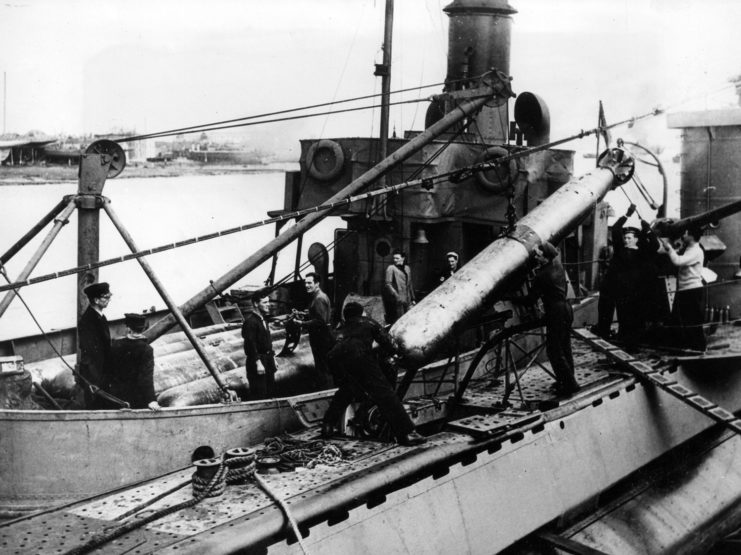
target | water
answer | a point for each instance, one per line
(156, 211)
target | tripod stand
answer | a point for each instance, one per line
(102, 159)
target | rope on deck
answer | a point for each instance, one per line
(289, 451)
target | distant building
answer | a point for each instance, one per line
(23, 150)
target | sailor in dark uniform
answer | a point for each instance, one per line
(549, 283)
(94, 343)
(258, 346)
(357, 373)
(629, 281)
(132, 364)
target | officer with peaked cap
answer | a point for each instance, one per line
(94, 344)
(132, 365)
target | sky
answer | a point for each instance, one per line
(84, 66)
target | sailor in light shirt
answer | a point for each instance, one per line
(687, 310)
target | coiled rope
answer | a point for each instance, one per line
(290, 451)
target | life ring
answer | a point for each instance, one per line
(325, 160)
(498, 179)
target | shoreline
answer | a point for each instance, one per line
(45, 175)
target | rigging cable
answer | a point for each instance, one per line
(275, 120)
(201, 238)
(457, 174)
(202, 127)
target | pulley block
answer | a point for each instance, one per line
(111, 154)
(619, 162)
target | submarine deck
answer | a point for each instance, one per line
(483, 442)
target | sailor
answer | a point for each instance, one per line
(398, 291)
(94, 342)
(625, 284)
(317, 323)
(258, 346)
(132, 365)
(452, 260)
(549, 283)
(687, 310)
(357, 373)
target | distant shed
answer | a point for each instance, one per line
(22, 151)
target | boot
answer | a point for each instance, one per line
(329, 430)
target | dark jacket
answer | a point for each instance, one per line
(319, 321)
(132, 362)
(257, 342)
(94, 339)
(549, 283)
(629, 268)
(355, 340)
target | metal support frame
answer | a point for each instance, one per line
(128, 239)
(93, 172)
(495, 339)
(88, 201)
(453, 360)
(511, 369)
(59, 222)
(23, 241)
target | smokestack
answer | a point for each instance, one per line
(479, 37)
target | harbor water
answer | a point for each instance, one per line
(156, 211)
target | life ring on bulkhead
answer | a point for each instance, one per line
(325, 160)
(499, 179)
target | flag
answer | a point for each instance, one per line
(602, 124)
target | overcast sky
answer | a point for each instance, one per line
(92, 66)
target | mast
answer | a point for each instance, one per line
(384, 70)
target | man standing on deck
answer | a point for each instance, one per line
(687, 309)
(398, 291)
(94, 345)
(318, 323)
(549, 283)
(357, 373)
(132, 365)
(452, 259)
(631, 278)
(258, 346)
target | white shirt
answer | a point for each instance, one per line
(690, 264)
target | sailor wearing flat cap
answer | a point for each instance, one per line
(452, 266)
(94, 342)
(132, 365)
